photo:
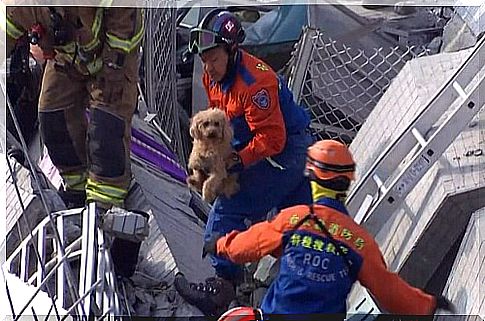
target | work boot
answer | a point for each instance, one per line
(73, 198)
(212, 297)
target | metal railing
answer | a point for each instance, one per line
(86, 255)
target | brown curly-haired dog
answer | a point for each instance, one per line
(212, 136)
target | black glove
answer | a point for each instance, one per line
(443, 303)
(210, 246)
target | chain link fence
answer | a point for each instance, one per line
(340, 85)
(159, 75)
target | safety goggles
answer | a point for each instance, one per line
(201, 40)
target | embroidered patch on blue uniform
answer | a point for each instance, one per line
(261, 99)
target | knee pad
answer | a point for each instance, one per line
(57, 139)
(105, 142)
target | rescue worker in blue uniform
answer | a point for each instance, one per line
(270, 140)
(323, 251)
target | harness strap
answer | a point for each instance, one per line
(312, 216)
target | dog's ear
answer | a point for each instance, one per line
(194, 128)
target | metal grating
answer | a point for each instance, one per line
(160, 80)
(340, 85)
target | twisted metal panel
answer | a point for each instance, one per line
(160, 81)
(340, 85)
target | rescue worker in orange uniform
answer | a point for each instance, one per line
(92, 62)
(270, 140)
(323, 251)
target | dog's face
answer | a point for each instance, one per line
(210, 124)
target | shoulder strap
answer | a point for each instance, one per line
(313, 217)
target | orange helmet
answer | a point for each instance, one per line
(328, 159)
(242, 314)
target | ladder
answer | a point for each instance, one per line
(383, 188)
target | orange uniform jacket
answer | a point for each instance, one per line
(249, 96)
(277, 237)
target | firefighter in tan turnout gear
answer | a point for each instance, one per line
(92, 64)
